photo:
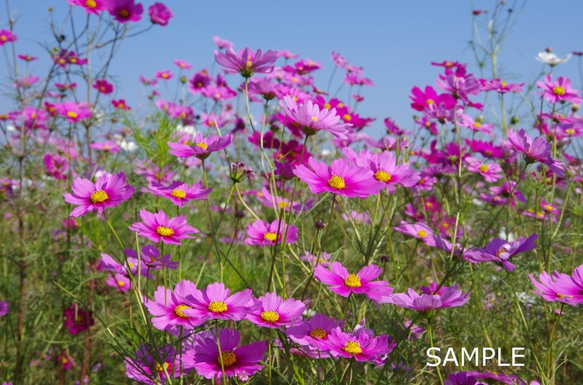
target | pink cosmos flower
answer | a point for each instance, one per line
(419, 231)
(216, 302)
(90, 6)
(560, 287)
(164, 75)
(160, 14)
(120, 104)
(234, 360)
(313, 119)
(222, 43)
(317, 260)
(429, 300)
(170, 308)
(359, 345)
(343, 283)
(107, 146)
(77, 320)
(274, 312)
(201, 148)
(158, 228)
(119, 281)
(27, 57)
(182, 64)
(268, 234)
(108, 191)
(74, 112)
(502, 87)
(179, 192)
(6, 36)
(500, 251)
(124, 10)
(313, 332)
(56, 166)
(246, 62)
(385, 169)
(460, 87)
(491, 172)
(341, 178)
(535, 150)
(425, 100)
(4, 308)
(103, 86)
(559, 90)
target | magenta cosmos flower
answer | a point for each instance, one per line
(77, 320)
(274, 312)
(157, 227)
(201, 148)
(168, 307)
(216, 302)
(313, 119)
(103, 86)
(385, 169)
(6, 36)
(108, 191)
(124, 10)
(246, 62)
(210, 362)
(500, 251)
(427, 301)
(74, 112)
(418, 230)
(358, 345)
(268, 234)
(537, 150)
(179, 192)
(559, 90)
(343, 283)
(341, 178)
(560, 287)
(90, 6)
(313, 332)
(160, 14)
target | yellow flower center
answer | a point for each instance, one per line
(161, 368)
(483, 168)
(352, 347)
(72, 114)
(202, 145)
(271, 237)
(318, 333)
(270, 316)
(61, 61)
(558, 90)
(123, 13)
(347, 117)
(249, 63)
(79, 318)
(3, 38)
(549, 208)
(283, 204)
(99, 196)
(570, 131)
(421, 233)
(352, 280)
(121, 283)
(178, 311)
(90, 4)
(315, 119)
(337, 182)
(563, 296)
(477, 125)
(164, 231)
(164, 75)
(327, 106)
(429, 102)
(228, 358)
(382, 176)
(72, 60)
(217, 307)
(177, 193)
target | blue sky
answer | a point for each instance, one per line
(394, 41)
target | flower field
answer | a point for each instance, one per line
(245, 223)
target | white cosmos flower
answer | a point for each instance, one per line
(551, 59)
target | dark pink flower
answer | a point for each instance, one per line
(103, 86)
(246, 62)
(268, 234)
(108, 191)
(559, 90)
(77, 320)
(560, 287)
(124, 10)
(182, 64)
(90, 6)
(169, 308)
(359, 345)
(179, 192)
(429, 300)
(160, 14)
(201, 146)
(164, 75)
(343, 283)
(274, 312)
(73, 111)
(537, 150)
(233, 360)
(6, 36)
(159, 228)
